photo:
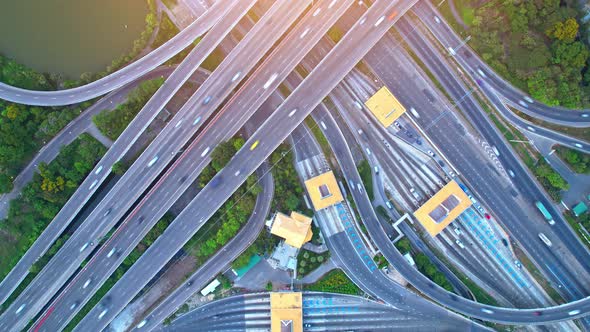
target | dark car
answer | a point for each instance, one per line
(504, 242)
(537, 313)
(216, 181)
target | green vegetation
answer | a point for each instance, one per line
(232, 215)
(581, 225)
(119, 167)
(380, 261)
(264, 244)
(166, 32)
(35, 269)
(43, 197)
(15, 74)
(403, 245)
(335, 33)
(145, 243)
(424, 265)
(113, 123)
(319, 136)
(286, 183)
(364, 170)
(550, 179)
(23, 130)
(578, 161)
(170, 3)
(334, 282)
(534, 44)
(480, 294)
(225, 282)
(308, 261)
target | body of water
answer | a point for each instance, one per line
(69, 37)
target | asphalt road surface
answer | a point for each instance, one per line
(126, 74)
(310, 93)
(469, 60)
(67, 260)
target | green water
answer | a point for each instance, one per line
(69, 37)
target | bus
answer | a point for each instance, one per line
(545, 213)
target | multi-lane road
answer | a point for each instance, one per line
(126, 74)
(469, 60)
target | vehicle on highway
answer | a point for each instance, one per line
(511, 173)
(205, 152)
(528, 99)
(272, 78)
(359, 187)
(522, 103)
(358, 105)
(396, 123)
(93, 184)
(487, 311)
(20, 309)
(111, 252)
(254, 145)
(368, 151)
(141, 324)
(207, 100)
(360, 131)
(84, 246)
(481, 72)
(86, 283)
(292, 112)
(452, 51)
(545, 213)
(74, 305)
(236, 76)
(98, 169)
(414, 112)
(578, 145)
(460, 244)
(537, 313)
(574, 312)
(531, 129)
(108, 212)
(505, 242)
(196, 120)
(323, 125)
(545, 239)
(389, 206)
(496, 152)
(431, 153)
(190, 283)
(585, 115)
(363, 20)
(458, 231)
(418, 141)
(307, 325)
(518, 265)
(381, 19)
(436, 19)
(152, 162)
(376, 168)
(487, 215)
(104, 312)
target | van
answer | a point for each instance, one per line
(376, 168)
(545, 239)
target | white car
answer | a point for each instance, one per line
(141, 324)
(481, 73)
(460, 244)
(522, 103)
(528, 99)
(104, 312)
(574, 312)
(431, 153)
(436, 19)
(86, 283)
(414, 112)
(511, 173)
(487, 311)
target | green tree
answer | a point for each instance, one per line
(564, 31)
(119, 167)
(5, 183)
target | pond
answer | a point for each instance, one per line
(69, 37)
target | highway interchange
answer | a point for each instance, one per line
(171, 152)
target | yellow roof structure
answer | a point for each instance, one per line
(296, 230)
(323, 190)
(385, 107)
(442, 208)
(285, 312)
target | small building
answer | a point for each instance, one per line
(580, 209)
(385, 107)
(323, 191)
(296, 229)
(210, 288)
(409, 259)
(442, 208)
(286, 313)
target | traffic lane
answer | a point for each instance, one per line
(418, 100)
(48, 153)
(126, 74)
(470, 60)
(131, 234)
(90, 231)
(217, 263)
(367, 37)
(478, 118)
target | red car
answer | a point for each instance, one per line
(487, 216)
(537, 313)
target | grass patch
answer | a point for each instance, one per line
(335, 33)
(44, 196)
(578, 161)
(581, 225)
(364, 170)
(334, 281)
(319, 136)
(308, 261)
